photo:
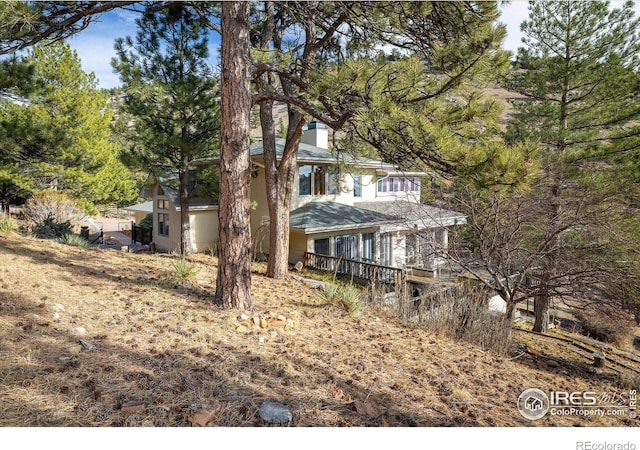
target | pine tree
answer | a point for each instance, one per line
(61, 139)
(579, 76)
(170, 97)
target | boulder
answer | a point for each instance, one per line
(275, 413)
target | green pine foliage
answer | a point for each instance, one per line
(62, 139)
(171, 112)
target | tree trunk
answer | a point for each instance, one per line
(185, 226)
(280, 183)
(5, 202)
(541, 306)
(233, 285)
(510, 315)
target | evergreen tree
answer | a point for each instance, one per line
(61, 138)
(579, 75)
(170, 98)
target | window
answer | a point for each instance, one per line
(304, 173)
(160, 191)
(163, 204)
(386, 249)
(399, 184)
(163, 224)
(357, 186)
(321, 246)
(368, 246)
(347, 246)
(317, 180)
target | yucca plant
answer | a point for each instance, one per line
(7, 224)
(73, 240)
(183, 269)
(346, 297)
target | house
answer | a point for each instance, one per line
(203, 217)
(354, 209)
(140, 211)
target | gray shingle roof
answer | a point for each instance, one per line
(141, 207)
(415, 213)
(330, 216)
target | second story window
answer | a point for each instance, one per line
(316, 180)
(163, 204)
(357, 186)
(399, 184)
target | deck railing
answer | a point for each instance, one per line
(362, 270)
(140, 234)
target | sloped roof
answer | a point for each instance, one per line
(194, 202)
(141, 207)
(311, 154)
(424, 216)
(329, 216)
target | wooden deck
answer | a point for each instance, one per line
(361, 270)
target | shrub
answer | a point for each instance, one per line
(606, 326)
(51, 229)
(460, 312)
(147, 222)
(7, 224)
(53, 214)
(73, 240)
(345, 297)
(184, 270)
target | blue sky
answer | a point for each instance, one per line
(95, 44)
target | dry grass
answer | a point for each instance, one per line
(164, 353)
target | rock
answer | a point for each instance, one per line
(299, 266)
(281, 318)
(274, 412)
(242, 329)
(256, 321)
(553, 364)
(263, 323)
(57, 307)
(277, 323)
(133, 406)
(56, 317)
(78, 331)
(87, 345)
(242, 317)
(599, 359)
(203, 416)
(261, 340)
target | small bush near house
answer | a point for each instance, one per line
(460, 313)
(52, 214)
(50, 229)
(147, 222)
(7, 224)
(345, 297)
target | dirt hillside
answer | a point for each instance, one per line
(93, 337)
